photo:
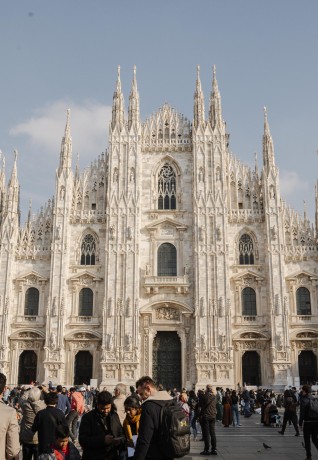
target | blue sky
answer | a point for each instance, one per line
(61, 54)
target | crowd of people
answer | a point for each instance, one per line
(55, 423)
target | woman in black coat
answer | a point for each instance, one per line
(100, 433)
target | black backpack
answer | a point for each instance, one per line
(313, 409)
(174, 430)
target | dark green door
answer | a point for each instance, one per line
(251, 368)
(166, 358)
(307, 364)
(83, 368)
(27, 367)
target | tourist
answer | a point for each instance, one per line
(28, 438)
(9, 429)
(46, 421)
(246, 398)
(208, 414)
(62, 449)
(63, 402)
(227, 409)
(100, 433)
(183, 403)
(309, 425)
(77, 409)
(149, 444)
(132, 420)
(290, 415)
(119, 400)
(193, 406)
(235, 409)
(219, 407)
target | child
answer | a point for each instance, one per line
(62, 449)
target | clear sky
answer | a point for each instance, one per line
(64, 53)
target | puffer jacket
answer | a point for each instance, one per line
(29, 410)
(73, 454)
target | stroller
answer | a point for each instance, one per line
(274, 417)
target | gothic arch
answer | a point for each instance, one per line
(252, 235)
(183, 307)
(174, 199)
(88, 252)
(29, 333)
(255, 335)
(83, 334)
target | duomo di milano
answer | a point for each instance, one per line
(167, 256)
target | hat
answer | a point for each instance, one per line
(82, 389)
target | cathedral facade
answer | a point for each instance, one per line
(167, 257)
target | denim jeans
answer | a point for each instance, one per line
(247, 411)
(71, 420)
(193, 424)
(235, 414)
(208, 432)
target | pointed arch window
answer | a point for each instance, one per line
(88, 250)
(167, 188)
(246, 250)
(248, 302)
(167, 260)
(31, 305)
(86, 298)
(303, 301)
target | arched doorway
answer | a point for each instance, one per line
(166, 359)
(83, 368)
(27, 367)
(307, 366)
(251, 368)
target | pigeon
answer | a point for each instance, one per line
(266, 446)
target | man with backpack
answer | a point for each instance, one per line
(164, 432)
(308, 419)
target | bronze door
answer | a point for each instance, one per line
(166, 359)
(251, 367)
(27, 367)
(307, 364)
(83, 368)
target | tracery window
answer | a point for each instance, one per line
(167, 188)
(248, 302)
(303, 301)
(31, 305)
(246, 250)
(167, 260)
(88, 250)
(86, 297)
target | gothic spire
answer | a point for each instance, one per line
(118, 111)
(30, 212)
(77, 168)
(199, 112)
(66, 146)
(316, 209)
(2, 173)
(215, 113)
(268, 147)
(133, 110)
(13, 188)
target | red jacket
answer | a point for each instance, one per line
(77, 402)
